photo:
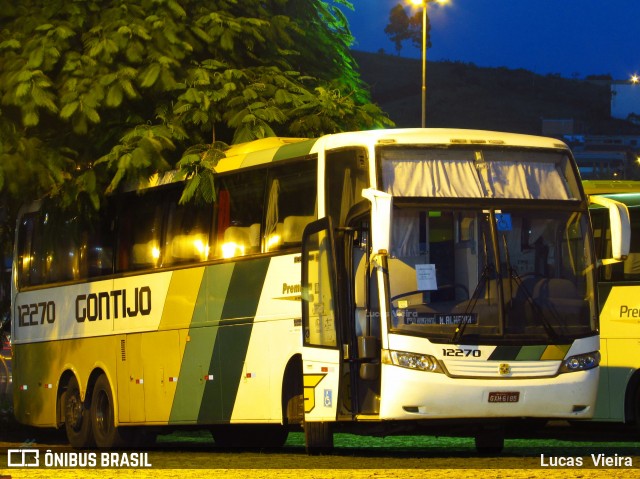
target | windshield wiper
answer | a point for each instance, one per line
(473, 300)
(537, 310)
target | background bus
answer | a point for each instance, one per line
(450, 276)
(618, 287)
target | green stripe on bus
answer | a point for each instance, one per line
(211, 299)
(232, 342)
(293, 150)
(505, 353)
(194, 373)
(196, 361)
(531, 353)
(245, 289)
(551, 352)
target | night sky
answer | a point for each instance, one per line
(574, 38)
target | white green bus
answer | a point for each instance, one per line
(618, 287)
(376, 282)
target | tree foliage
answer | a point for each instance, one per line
(97, 92)
(403, 27)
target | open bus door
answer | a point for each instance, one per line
(321, 352)
(341, 361)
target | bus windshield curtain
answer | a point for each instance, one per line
(509, 179)
(432, 178)
(467, 174)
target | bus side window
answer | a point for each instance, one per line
(140, 226)
(98, 246)
(347, 174)
(187, 233)
(25, 250)
(291, 204)
(239, 213)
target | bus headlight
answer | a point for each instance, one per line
(580, 362)
(421, 362)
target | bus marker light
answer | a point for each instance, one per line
(208, 377)
(47, 386)
(140, 381)
(173, 379)
(24, 387)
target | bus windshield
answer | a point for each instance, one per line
(463, 274)
(511, 262)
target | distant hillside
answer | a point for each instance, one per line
(466, 96)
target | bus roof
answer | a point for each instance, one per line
(440, 136)
(265, 150)
(268, 150)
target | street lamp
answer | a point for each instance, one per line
(424, 4)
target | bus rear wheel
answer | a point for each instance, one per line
(105, 432)
(77, 417)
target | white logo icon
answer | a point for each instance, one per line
(23, 458)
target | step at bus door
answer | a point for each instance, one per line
(321, 352)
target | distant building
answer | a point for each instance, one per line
(625, 100)
(608, 157)
(601, 165)
(557, 128)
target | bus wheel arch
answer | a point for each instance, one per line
(292, 392)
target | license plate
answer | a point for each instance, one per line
(510, 396)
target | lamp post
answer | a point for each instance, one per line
(424, 4)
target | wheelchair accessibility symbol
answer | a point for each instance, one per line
(328, 398)
(503, 221)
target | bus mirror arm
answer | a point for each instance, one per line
(620, 228)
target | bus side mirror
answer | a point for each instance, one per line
(620, 228)
(368, 351)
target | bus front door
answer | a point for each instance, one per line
(321, 352)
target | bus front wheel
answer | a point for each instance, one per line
(105, 432)
(77, 417)
(318, 437)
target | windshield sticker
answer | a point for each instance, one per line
(503, 221)
(426, 277)
(440, 318)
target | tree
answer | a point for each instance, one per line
(95, 92)
(402, 27)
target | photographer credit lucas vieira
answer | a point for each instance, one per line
(597, 460)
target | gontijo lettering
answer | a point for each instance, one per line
(113, 304)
